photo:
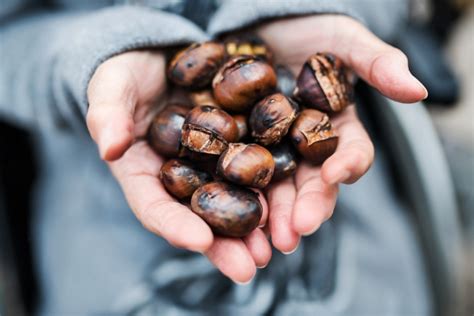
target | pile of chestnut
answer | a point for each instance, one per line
(239, 129)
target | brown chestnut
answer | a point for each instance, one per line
(285, 160)
(241, 121)
(286, 80)
(242, 81)
(228, 209)
(203, 97)
(195, 66)
(164, 133)
(246, 164)
(247, 44)
(208, 130)
(324, 84)
(313, 136)
(271, 118)
(181, 179)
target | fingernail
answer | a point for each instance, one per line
(263, 267)
(421, 86)
(243, 283)
(291, 251)
(311, 232)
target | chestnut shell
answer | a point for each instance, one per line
(164, 133)
(195, 66)
(241, 121)
(181, 178)
(324, 84)
(242, 81)
(246, 164)
(286, 160)
(313, 136)
(208, 130)
(202, 97)
(247, 44)
(271, 118)
(229, 210)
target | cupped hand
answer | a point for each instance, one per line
(299, 206)
(122, 94)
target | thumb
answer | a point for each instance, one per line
(381, 65)
(112, 98)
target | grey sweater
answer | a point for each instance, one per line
(94, 257)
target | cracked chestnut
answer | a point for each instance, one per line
(285, 160)
(271, 118)
(324, 84)
(241, 121)
(181, 178)
(247, 44)
(242, 81)
(164, 133)
(246, 164)
(229, 210)
(195, 66)
(208, 130)
(313, 136)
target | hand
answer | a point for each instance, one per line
(121, 95)
(299, 206)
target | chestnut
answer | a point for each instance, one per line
(285, 160)
(242, 81)
(195, 66)
(181, 179)
(164, 133)
(247, 44)
(203, 97)
(208, 130)
(271, 118)
(241, 121)
(324, 84)
(229, 210)
(246, 164)
(286, 80)
(313, 136)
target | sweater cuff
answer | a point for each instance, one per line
(95, 37)
(382, 16)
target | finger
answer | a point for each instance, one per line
(233, 259)
(281, 199)
(315, 199)
(354, 154)
(112, 98)
(381, 65)
(259, 247)
(137, 174)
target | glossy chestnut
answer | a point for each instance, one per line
(271, 118)
(195, 66)
(203, 97)
(246, 164)
(242, 81)
(313, 136)
(229, 210)
(208, 130)
(182, 178)
(324, 84)
(285, 160)
(241, 121)
(164, 133)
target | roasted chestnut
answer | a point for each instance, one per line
(246, 164)
(285, 160)
(271, 118)
(242, 81)
(241, 121)
(203, 97)
(247, 44)
(286, 80)
(313, 136)
(208, 130)
(181, 178)
(228, 209)
(195, 66)
(164, 133)
(324, 84)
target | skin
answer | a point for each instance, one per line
(124, 87)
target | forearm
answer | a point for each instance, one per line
(383, 17)
(48, 58)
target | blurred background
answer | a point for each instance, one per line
(439, 42)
